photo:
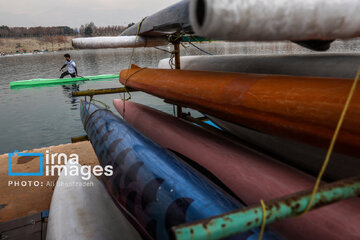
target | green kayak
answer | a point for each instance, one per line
(40, 81)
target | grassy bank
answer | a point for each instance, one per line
(13, 45)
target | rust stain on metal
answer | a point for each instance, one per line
(227, 219)
(324, 200)
(205, 226)
(327, 194)
(288, 202)
(296, 207)
(277, 206)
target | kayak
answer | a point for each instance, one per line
(41, 81)
(154, 186)
(305, 109)
(170, 20)
(299, 155)
(118, 42)
(259, 20)
(83, 210)
(239, 169)
(295, 153)
(331, 65)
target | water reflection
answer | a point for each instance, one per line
(74, 101)
(29, 118)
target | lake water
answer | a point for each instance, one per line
(39, 117)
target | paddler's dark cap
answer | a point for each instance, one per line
(67, 55)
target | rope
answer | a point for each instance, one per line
(133, 49)
(162, 50)
(175, 37)
(88, 118)
(171, 60)
(127, 72)
(193, 37)
(333, 140)
(90, 115)
(127, 78)
(91, 92)
(327, 158)
(263, 222)
(185, 47)
(102, 103)
(199, 48)
(127, 91)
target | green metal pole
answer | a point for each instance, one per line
(186, 39)
(92, 92)
(246, 219)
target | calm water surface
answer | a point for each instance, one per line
(39, 117)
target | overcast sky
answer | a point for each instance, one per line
(73, 13)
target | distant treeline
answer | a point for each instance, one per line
(88, 29)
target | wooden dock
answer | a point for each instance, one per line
(19, 201)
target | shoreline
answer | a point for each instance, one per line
(21, 46)
(36, 191)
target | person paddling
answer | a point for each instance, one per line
(72, 70)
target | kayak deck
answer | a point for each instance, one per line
(40, 81)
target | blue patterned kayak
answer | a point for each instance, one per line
(155, 187)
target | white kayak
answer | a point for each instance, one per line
(335, 65)
(85, 212)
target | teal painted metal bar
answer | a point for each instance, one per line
(188, 38)
(246, 219)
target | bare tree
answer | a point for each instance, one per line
(46, 40)
(89, 29)
(61, 40)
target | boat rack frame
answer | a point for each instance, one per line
(245, 219)
(93, 92)
(239, 221)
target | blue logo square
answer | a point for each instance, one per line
(40, 173)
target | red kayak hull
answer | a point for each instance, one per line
(250, 175)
